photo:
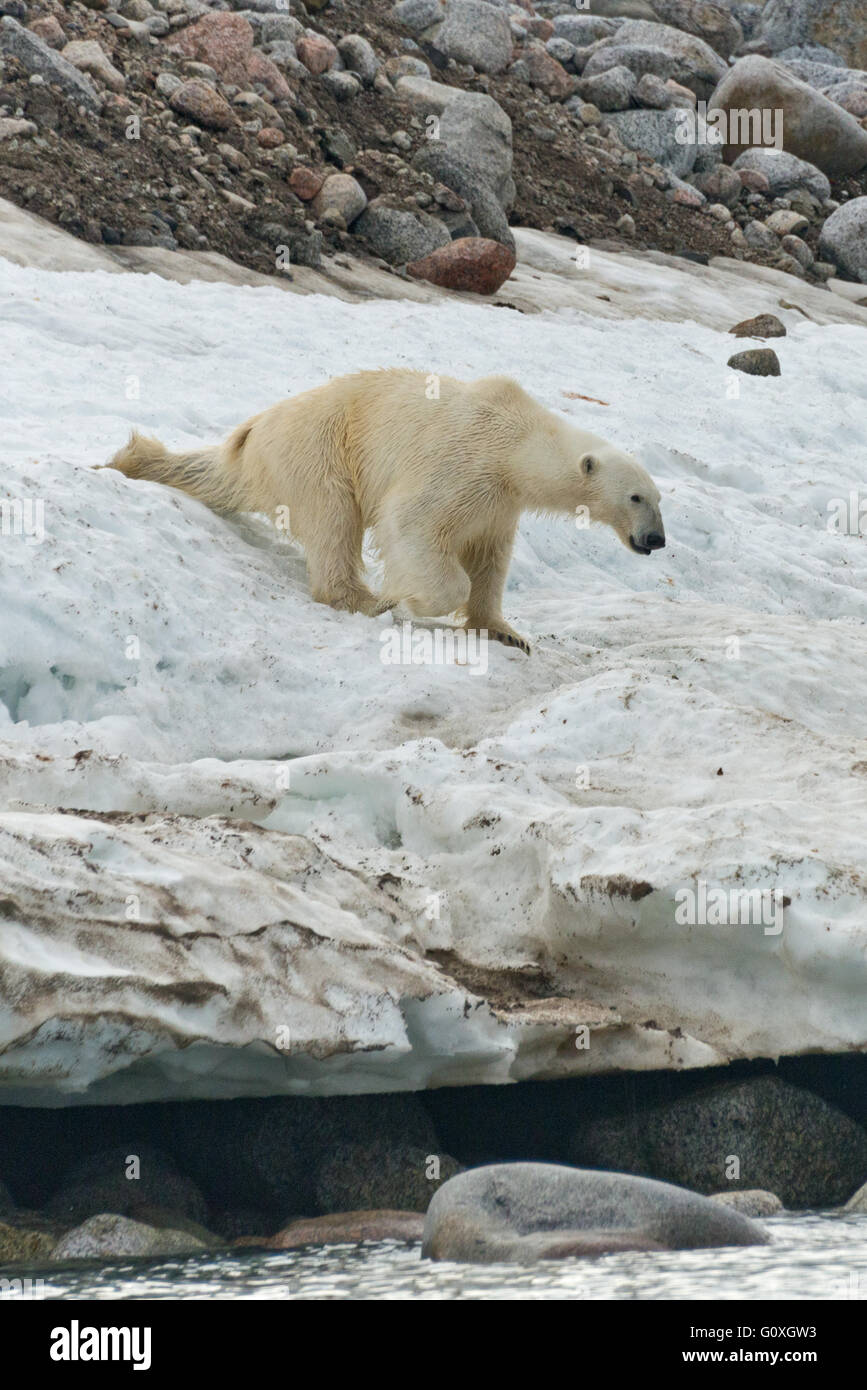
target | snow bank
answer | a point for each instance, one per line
(243, 854)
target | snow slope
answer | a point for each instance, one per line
(479, 863)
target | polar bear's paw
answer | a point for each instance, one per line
(509, 638)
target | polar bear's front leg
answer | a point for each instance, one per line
(487, 563)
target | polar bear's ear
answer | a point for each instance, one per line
(589, 464)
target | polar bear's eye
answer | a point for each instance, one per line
(635, 497)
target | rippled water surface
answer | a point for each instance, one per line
(812, 1256)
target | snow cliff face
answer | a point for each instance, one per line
(243, 852)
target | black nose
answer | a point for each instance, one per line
(654, 541)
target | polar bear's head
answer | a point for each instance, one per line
(622, 494)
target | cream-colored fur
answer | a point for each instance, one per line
(442, 480)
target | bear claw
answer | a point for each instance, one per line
(511, 639)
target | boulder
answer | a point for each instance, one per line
(436, 159)
(858, 1202)
(267, 1153)
(417, 15)
(750, 1203)
(111, 1237)
(340, 194)
(611, 90)
(843, 241)
(657, 48)
(39, 60)
(101, 1182)
(721, 185)
(838, 24)
(762, 326)
(398, 234)
(474, 32)
(545, 71)
(583, 29)
(783, 172)
(24, 1245)
(470, 263)
(786, 1139)
(343, 1227)
(200, 102)
(381, 1173)
(471, 126)
(714, 23)
(359, 56)
(519, 1213)
(224, 41)
(661, 135)
(813, 128)
(89, 56)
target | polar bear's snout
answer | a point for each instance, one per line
(646, 531)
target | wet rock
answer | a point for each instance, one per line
(202, 104)
(750, 1203)
(843, 241)
(474, 264)
(110, 1237)
(23, 1245)
(782, 172)
(100, 1183)
(858, 1202)
(519, 1213)
(39, 60)
(345, 1227)
(762, 326)
(814, 128)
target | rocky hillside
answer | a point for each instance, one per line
(279, 133)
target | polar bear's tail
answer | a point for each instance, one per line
(204, 473)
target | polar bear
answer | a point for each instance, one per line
(440, 469)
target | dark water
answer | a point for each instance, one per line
(822, 1256)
